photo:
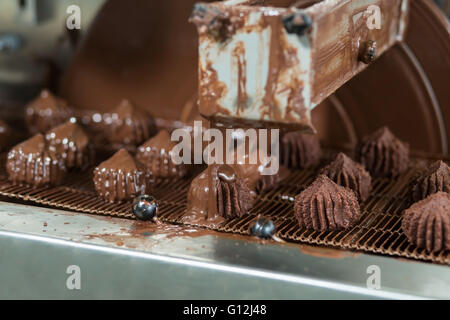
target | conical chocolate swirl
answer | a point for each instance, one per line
(156, 156)
(383, 154)
(46, 112)
(350, 174)
(434, 179)
(30, 162)
(300, 150)
(118, 178)
(326, 206)
(427, 223)
(128, 125)
(71, 143)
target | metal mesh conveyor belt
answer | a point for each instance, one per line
(379, 230)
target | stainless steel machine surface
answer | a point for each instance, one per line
(119, 260)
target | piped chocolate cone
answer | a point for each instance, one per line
(383, 154)
(350, 174)
(427, 223)
(326, 206)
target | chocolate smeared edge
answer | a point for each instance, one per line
(433, 179)
(70, 142)
(127, 124)
(46, 112)
(300, 150)
(30, 162)
(383, 154)
(326, 206)
(234, 198)
(427, 223)
(220, 192)
(349, 174)
(156, 155)
(119, 178)
(5, 135)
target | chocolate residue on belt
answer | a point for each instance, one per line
(219, 192)
(119, 178)
(46, 112)
(30, 162)
(326, 252)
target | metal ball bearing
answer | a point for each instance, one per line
(145, 207)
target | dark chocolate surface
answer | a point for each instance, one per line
(326, 206)
(350, 174)
(383, 154)
(427, 222)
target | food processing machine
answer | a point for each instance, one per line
(148, 51)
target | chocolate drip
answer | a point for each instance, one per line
(219, 192)
(326, 206)
(300, 150)
(156, 156)
(234, 198)
(30, 162)
(432, 180)
(128, 125)
(383, 154)
(71, 143)
(427, 223)
(118, 178)
(350, 174)
(46, 112)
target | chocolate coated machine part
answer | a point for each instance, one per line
(406, 88)
(276, 62)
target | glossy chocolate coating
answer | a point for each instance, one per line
(155, 155)
(30, 162)
(46, 112)
(128, 125)
(218, 193)
(70, 142)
